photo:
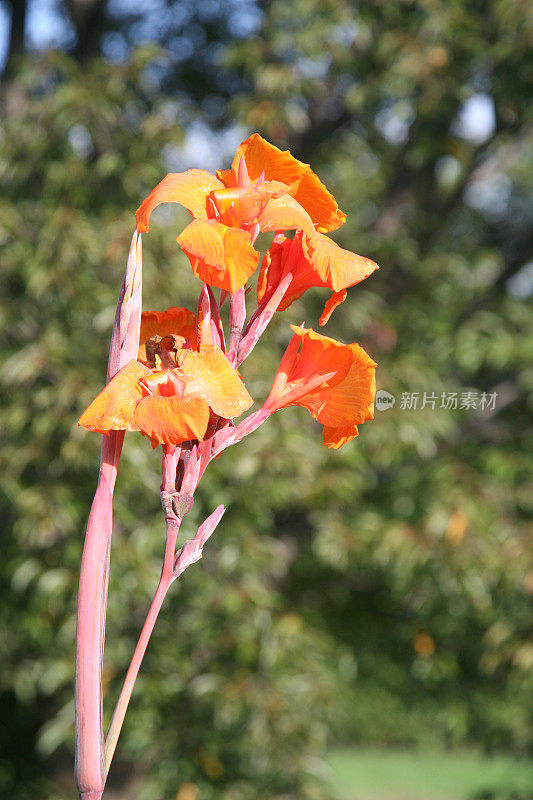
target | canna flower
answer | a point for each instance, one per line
(264, 190)
(176, 321)
(334, 381)
(313, 261)
(171, 391)
(263, 158)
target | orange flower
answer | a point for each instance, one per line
(261, 157)
(265, 190)
(172, 404)
(314, 260)
(334, 381)
(177, 321)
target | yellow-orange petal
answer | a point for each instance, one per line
(179, 321)
(189, 189)
(210, 376)
(172, 420)
(113, 409)
(306, 187)
(335, 300)
(219, 256)
(337, 267)
(285, 213)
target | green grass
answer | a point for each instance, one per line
(364, 774)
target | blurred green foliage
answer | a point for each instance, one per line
(381, 593)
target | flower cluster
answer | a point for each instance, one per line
(184, 386)
(173, 376)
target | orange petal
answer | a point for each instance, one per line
(210, 376)
(113, 409)
(350, 401)
(337, 437)
(172, 420)
(337, 267)
(241, 205)
(272, 265)
(279, 165)
(179, 321)
(319, 355)
(219, 256)
(189, 188)
(285, 213)
(276, 257)
(335, 300)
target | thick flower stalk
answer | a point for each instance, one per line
(173, 378)
(94, 573)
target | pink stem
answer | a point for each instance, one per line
(237, 317)
(90, 633)
(173, 520)
(260, 320)
(167, 577)
(94, 572)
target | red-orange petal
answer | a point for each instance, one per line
(337, 437)
(279, 165)
(172, 420)
(179, 321)
(320, 355)
(189, 189)
(350, 401)
(113, 409)
(335, 300)
(340, 403)
(219, 256)
(210, 376)
(272, 265)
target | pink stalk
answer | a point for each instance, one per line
(94, 572)
(174, 564)
(260, 320)
(191, 552)
(216, 321)
(173, 520)
(237, 317)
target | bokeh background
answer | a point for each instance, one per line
(359, 614)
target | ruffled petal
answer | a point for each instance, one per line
(334, 381)
(285, 213)
(337, 437)
(189, 189)
(172, 420)
(338, 268)
(273, 267)
(113, 409)
(209, 375)
(279, 165)
(335, 300)
(314, 261)
(320, 355)
(241, 205)
(219, 256)
(179, 321)
(351, 400)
